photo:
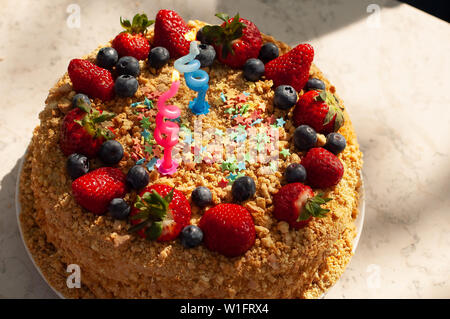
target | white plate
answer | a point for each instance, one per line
(358, 222)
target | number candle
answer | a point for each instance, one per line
(196, 79)
(166, 132)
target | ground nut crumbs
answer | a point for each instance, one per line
(115, 264)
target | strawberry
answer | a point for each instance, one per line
(96, 189)
(170, 33)
(235, 41)
(291, 68)
(160, 213)
(90, 79)
(132, 41)
(320, 110)
(228, 229)
(82, 132)
(296, 204)
(323, 168)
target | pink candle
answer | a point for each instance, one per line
(166, 132)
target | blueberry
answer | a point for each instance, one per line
(128, 65)
(126, 86)
(191, 236)
(285, 97)
(335, 143)
(202, 196)
(207, 55)
(118, 208)
(138, 177)
(201, 37)
(111, 152)
(243, 188)
(107, 58)
(314, 84)
(295, 173)
(80, 98)
(77, 165)
(268, 52)
(158, 57)
(305, 137)
(253, 69)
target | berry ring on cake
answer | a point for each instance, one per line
(186, 160)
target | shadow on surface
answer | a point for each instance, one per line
(287, 19)
(18, 276)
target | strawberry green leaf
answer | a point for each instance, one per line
(81, 104)
(136, 20)
(330, 115)
(91, 122)
(139, 226)
(154, 231)
(313, 208)
(339, 121)
(105, 133)
(321, 97)
(105, 116)
(125, 23)
(168, 198)
(153, 209)
(334, 109)
(223, 16)
(224, 35)
(139, 24)
(141, 215)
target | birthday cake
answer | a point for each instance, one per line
(186, 160)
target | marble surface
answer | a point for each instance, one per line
(390, 66)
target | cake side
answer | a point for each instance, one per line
(282, 263)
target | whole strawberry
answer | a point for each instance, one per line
(95, 190)
(291, 68)
(323, 168)
(320, 110)
(160, 213)
(235, 41)
(82, 131)
(132, 41)
(296, 204)
(228, 229)
(170, 32)
(90, 79)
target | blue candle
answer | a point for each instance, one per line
(196, 79)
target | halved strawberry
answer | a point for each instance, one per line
(323, 168)
(170, 32)
(160, 212)
(296, 204)
(91, 79)
(291, 68)
(82, 131)
(235, 41)
(132, 41)
(228, 229)
(95, 190)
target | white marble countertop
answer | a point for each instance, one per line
(391, 68)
